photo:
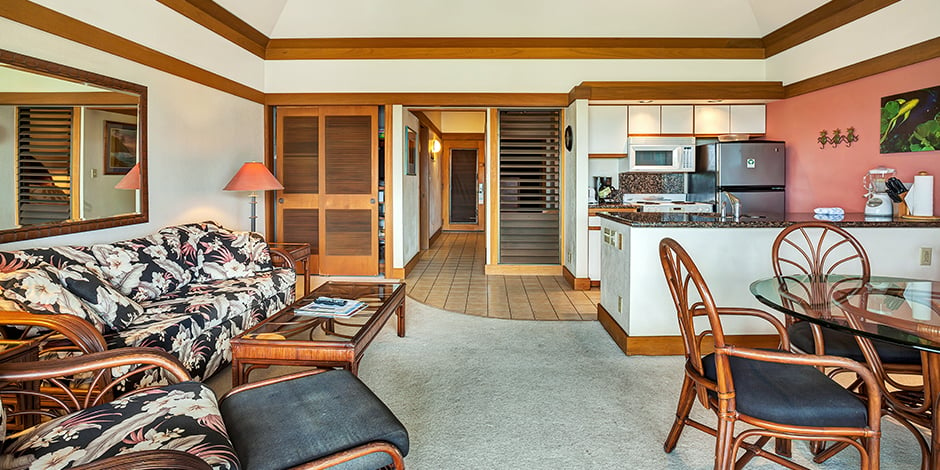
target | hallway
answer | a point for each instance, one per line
(450, 276)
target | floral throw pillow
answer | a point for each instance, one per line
(142, 268)
(232, 255)
(38, 290)
(115, 309)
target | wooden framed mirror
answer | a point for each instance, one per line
(67, 138)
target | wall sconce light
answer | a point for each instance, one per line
(837, 138)
(435, 145)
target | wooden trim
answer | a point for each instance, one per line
(576, 283)
(523, 269)
(492, 188)
(53, 22)
(513, 48)
(420, 99)
(424, 119)
(826, 18)
(390, 271)
(679, 90)
(93, 98)
(411, 264)
(270, 197)
(606, 155)
(222, 22)
(596, 227)
(464, 136)
(447, 146)
(435, 236)
(671, 345)
(596, 284)
(910, 55)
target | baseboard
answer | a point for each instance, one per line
(576, 283)
(522, 269)
(433, 238)
(671, 345)
(414, 262)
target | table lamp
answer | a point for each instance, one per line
(131, 180)
(253, 176)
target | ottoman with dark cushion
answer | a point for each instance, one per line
(292, 422)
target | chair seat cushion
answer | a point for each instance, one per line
(840, 343)
(296, 421)
(183, 416)
(790, 394)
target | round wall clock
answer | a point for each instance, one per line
(569, 138)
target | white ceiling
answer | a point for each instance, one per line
(518, 18)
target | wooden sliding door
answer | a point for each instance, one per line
(327, 158)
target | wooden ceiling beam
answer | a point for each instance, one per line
(827, 17)
(222, 22)
(678, 91)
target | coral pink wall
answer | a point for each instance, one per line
(833, 176)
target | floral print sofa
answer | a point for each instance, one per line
(186, 289)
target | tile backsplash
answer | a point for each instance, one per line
(652, 183)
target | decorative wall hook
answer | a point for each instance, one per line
(837, 138)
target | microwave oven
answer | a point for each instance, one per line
(661, 154)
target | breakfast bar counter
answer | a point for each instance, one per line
(636, 307)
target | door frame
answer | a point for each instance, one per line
(472, 141)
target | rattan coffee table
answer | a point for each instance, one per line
(289, 339)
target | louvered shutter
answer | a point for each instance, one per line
(44, 176)
(529, 186)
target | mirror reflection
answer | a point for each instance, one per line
(64, 146)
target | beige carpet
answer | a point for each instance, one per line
(486, 393)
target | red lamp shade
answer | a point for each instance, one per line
(253, 176)
(131, 180)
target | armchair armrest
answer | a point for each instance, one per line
(699, 309)
(149, 460)
(100, 364)
(79, 332)
(281, 258)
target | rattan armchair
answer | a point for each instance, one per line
(314, 419)
(766, 390)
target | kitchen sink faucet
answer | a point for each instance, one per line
(735, 206)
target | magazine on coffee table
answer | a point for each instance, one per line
(331, 307)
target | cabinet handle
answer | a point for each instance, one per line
(280, 201)
(372, 201)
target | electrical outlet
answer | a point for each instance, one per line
(619, 304)
(569, 256)
(926, 256)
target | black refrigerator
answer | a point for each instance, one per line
(755, 171)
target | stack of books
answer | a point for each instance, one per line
(331, 307)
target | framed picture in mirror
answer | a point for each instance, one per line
(411, 152)
(120, 147)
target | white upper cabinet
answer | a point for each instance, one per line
(607, 129)
(712, 119)
(645, 120)
(677, 119)
(748, 119)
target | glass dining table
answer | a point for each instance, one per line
(897, 310)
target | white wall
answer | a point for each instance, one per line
(197, 137)
(7, 159)
(99, 198)
(407, 218)
(575, 170)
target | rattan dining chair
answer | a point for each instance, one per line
(816, 250)
(766, 390)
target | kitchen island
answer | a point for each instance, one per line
(636, 308)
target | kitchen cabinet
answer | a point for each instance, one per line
(607, 129)
(712, 119)
(748, 119)
(644, 120)
(677, 119)
(730, 119)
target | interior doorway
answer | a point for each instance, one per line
(464, 178)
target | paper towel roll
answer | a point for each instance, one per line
(917, 294)
(920, 198)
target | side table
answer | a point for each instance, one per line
(26, 350)
(301, 253)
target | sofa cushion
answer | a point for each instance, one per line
(182, 417)
(188, 237)
(58, 256)
(143, 268)
(231, 255)
(39, 290)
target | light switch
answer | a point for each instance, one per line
(94, 172)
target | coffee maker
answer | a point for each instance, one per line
(875, 182)
(604, 190)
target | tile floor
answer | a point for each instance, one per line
(450, 276)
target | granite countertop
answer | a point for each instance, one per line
(711, 220)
